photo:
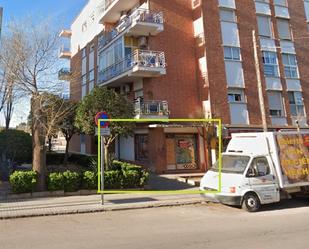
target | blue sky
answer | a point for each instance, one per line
(60, 12)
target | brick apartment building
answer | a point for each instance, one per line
(192, 59)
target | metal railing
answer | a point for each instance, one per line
(64, 72)
(142, 58)
(139, 15)
(154, 107)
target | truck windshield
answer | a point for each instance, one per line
(232, 164)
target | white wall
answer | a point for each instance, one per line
(127, 148)
(90, 15)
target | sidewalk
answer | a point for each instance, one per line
(89, 204)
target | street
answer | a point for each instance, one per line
(284, 225)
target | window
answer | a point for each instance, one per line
(235, 95)
(227, 15)
(275, 103)
(264, 25)
(270, 62)
(284, 29)
(91, 75)
(290, 65)
(281, 3)
(84, 85)
(84, 52)
(232, 53)
(259, 167)
(296, 104)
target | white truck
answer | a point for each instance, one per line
(260, 168)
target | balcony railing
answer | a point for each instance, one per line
(151, 108)
(141, 60)
(138, 16)
(64, 74)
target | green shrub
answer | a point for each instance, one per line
(71, 181)
(113, 179)
(131, 179)
(89, 180)
(55, 181)
(23, 181)
(85, 161)
(116, 165)
(144, 178)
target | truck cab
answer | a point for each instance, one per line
(247, 180)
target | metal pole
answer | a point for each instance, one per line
(259, 82)
(102, 169)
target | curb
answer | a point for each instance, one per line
(105, 209)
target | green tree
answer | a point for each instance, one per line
(16, 146)
(67, 126)
(116, 105)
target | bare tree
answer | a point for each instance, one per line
(34, 49)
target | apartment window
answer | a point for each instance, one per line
(290, 65)
(264, 25)
(270, 62)
(84, 52)
(281, 3)
(84, 85)
(296, 104)
(236, 95)
(91, 75)
(263, 1)
(284, 29)
(227, 15)
(232, 53)
(275, 103)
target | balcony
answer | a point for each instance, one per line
(65, 53)
(141, 22)
(142, 63)
(114, 8)
(151, 109)
(65, 33)
(64, 74)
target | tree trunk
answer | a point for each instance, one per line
(38, 143)
(49, 144)
(66, 155)
(106, 156)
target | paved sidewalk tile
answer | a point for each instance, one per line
(92, 203)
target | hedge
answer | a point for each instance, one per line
(53, 158)
(23, 181)
(126, 176)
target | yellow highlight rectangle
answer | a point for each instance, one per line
(168, 192)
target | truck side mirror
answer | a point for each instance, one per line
(250, 173)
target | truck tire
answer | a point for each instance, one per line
(251, 202)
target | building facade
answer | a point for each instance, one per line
(192, 59)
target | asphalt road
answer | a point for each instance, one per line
(284, 225)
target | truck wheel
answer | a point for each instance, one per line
(251, 202)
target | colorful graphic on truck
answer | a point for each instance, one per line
(294, 156)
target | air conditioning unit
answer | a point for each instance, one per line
(143, 42)
(196, 3)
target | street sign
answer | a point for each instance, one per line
(105, 132)
(102, 115)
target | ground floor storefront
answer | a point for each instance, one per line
(165, 150)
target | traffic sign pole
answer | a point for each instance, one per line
(102, 170)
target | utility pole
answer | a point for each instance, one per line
(259, 82)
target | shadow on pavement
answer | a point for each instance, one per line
(157, 182)
(132, 200)
(286, 204)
